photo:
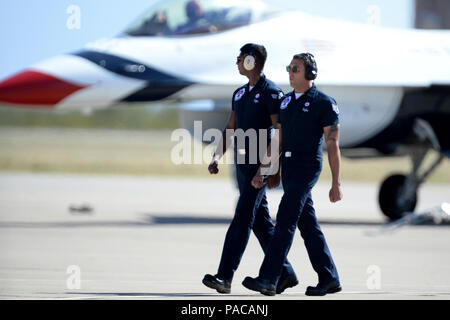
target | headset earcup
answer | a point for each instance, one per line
(310, 67)
(249, 62)
(310, 74)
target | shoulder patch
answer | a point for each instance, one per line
(285, 102)
(277, 96)
(239, 94)
(335, 108)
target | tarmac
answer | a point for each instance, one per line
(86, 237)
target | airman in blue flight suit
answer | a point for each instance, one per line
(307, 116)
(255, 106)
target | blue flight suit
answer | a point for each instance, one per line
(302, 121)
(252, 109)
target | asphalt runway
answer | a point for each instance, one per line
(155, 238)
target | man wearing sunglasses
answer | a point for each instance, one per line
(255, 106)
(307, 116)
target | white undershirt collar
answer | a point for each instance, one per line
(298, 95)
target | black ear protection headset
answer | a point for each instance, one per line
(310, 65)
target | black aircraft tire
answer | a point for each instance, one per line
(389, 194)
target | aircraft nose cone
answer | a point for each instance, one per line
(35, 88)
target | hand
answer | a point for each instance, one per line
(273, 180)
(213, 167)
(335, 193)
(258, 181)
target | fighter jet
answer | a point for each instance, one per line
(392, 85)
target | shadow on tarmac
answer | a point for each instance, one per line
(149, 220)
(156, 219)
(157, 294)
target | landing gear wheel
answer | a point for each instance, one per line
(390, 197)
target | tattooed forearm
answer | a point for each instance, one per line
(334, 127)
(333, 133)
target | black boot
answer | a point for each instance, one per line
(259, 285)
(285, 283)
(323, 289)
(213, 282)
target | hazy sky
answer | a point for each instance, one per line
(32, 30)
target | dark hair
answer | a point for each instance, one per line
(193, 10)
(258, 51)
(310, 64)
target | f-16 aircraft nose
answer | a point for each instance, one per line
(34, 88)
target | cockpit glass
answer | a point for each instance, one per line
(189, 17)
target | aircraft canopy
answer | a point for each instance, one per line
(190, 17)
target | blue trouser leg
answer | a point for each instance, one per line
(288, 214)
(296, 208)
(298, 180)
(238, 232)
(316, 245)
(264, 228)
(251, 212)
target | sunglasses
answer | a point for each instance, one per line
(294, 69)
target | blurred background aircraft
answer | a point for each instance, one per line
(392, 84)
